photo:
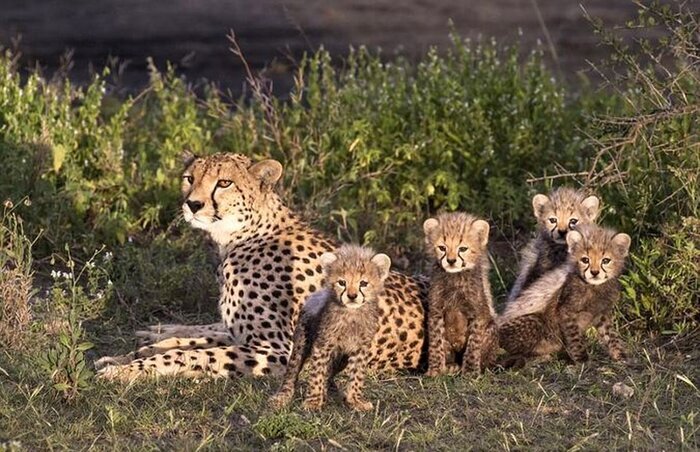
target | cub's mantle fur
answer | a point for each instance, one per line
(556, 214)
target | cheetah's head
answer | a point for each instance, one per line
(597, 253)
(457, 240)
(224, 192)
(562, 210)
(355, 273)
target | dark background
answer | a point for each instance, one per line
(192, 33)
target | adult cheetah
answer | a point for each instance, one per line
(269, 266)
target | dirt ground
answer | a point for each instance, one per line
(193, 33)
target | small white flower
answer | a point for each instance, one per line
(55, 274)
(109, 282)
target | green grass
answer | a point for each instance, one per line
(550, 406)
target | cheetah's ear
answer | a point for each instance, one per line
(591, 206)
(187, 157)
(539, 203)
(383, 262)
(622, 242)
(429, 225)
(268, 172)
(482, 229)
(327, 259)
(573, 239)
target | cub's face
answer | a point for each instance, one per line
(563, 210)
(457, 240)
(599, 254)
(356, 274)
(223, 191)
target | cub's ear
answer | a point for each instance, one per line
(539, 203)
(591, 206)
(327, 259)
(429, 225)
(187, 157)
(482, 229)
(622, 242)
(573, 239)
(268, 172)
(383, 262)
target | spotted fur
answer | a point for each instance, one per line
(270, 263)
(554, 312)
(556, 214)
(339, 326)
(460, 309)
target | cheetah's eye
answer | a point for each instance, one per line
(364, 283)
(189, 178)
(463, 249)
(585, 260)
(341, 283)
(442, 248)
(572, 222)
(223, 183)
(553, 220)
(606, 261)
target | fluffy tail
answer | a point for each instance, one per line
(537, 296)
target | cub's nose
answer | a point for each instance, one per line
(451, 261)
(352, 296)
(562, 234)
(595, 272)
(194, 205)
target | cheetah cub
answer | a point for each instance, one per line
(556, 214)
(555, 311)
(460, 308)
(337, 322)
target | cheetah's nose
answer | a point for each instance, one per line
(194, 205)
(352, 296)
(595, 272)
(562, 234)
(451, 261)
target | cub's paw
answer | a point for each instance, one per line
(280, 400)
(312, 404)
(359, 404)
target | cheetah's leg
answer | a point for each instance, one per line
(436, 341)
(300, 352)
(229, 361)
(212, 339)
(574, 342)
(157, 333)
(356, 371)
(319, 372)
(611, 339)
(472, 354)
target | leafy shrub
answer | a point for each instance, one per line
(648, 164)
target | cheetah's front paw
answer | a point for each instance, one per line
(111, 361)
(280, 400)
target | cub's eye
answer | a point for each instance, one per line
(463, 249)
(553, 220)
(572, 222)
(442, 248)
(606, 261)
(223, 183)
(188, 178)
(341, 283)
(364, 283)
(585, 260)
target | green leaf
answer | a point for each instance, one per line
(59, 156)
